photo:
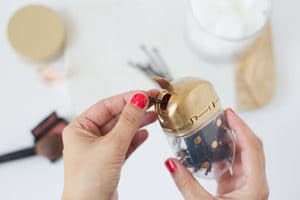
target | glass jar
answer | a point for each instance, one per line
(221, 30)
(191, 115)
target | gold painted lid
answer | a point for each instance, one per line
(36, 32)
(191, 104)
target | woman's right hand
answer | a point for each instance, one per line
(248, 181)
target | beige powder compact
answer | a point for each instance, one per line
(36, 32)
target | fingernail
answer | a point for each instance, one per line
(140, 100)
(171, 166)
(232, 111)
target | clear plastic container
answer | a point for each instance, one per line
(209, 152)
(192, 117)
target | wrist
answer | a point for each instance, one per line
(74, 194)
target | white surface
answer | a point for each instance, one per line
(107, 35)
(116, 35)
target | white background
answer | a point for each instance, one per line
(102, 37)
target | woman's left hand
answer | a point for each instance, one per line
(97, 143)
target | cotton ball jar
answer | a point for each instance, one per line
(222, 29)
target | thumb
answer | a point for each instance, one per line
(186, 183)
(130, 119)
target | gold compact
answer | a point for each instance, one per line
(36, 32)
(191, 115)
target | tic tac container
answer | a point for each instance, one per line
(192, 117)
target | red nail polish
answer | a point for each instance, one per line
(171, 165)
(140, 100)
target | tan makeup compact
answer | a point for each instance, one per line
(190, 113)
(36, 32)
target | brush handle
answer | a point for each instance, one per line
(18, 154)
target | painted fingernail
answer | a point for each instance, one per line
(171, 166)
(140, 100)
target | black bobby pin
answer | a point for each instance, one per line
(155, 65)
(157, 101)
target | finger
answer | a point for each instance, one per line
(185, 182)
(248, 145)
(149, 118)
(104, 111)
(138, 139)
(130, 119)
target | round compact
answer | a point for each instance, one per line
(191, 115)
(36, 32)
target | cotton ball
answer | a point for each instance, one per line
(230, 26)
(255, 22)
(247, 4)
(231, 19)
(205, 12)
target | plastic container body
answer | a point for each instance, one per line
(208, 152)
(192, 117)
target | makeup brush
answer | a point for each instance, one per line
(49, 146)
(52, 124)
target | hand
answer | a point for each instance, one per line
(249, 178)
(97, 143)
